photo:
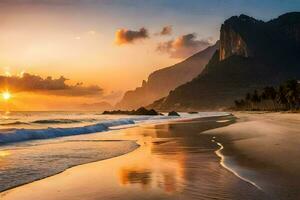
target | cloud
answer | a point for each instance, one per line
(34, 83)
(166, 30)
(183, 46)
(124, 36)
(48, 2)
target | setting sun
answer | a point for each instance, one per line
(6, 95)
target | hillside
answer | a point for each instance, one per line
(252, 54)
(162, 81)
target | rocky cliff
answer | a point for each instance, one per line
(162, 81)
(252, 54)
(231, 41)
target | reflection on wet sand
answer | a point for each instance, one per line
(174, 161)
(3, 154)
(135, 175)
(154, 171)
(178, 160)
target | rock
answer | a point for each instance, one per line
(140, 111)
(173, 113)
(144, 111)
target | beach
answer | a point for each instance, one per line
(264, 149)
(240, 156)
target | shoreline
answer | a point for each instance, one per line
(116, 129)
(223, 163)
(70, 167)
(256, 148)
(243, 144)
(63, 185)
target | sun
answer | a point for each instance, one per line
(6, 95)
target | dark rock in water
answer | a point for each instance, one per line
(144, 111)
(193, 112)
(173, 113)
(140, 111)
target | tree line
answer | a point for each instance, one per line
(282, 98)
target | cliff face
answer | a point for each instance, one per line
(162, 81)
(231, 43)
(238, 36)
(252, 54)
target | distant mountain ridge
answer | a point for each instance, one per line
(162, 81)
(252, 54)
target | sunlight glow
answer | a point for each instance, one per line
(4, 153)
(6, 95)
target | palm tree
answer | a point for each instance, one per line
(269, 93)
(255, 99)
(281, 97)
(287, 97)
(291, 93)
(248, 100)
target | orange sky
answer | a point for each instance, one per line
(80, 46)
(76, 39)
(59, 43)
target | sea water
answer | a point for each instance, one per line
(34, 145)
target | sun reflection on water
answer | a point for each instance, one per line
(156, 165)
(4, 154)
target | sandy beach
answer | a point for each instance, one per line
(178, 160)
(264, 148)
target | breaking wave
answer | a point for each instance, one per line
(18, 135)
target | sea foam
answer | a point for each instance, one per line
(18, 135)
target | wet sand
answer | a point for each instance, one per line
(264, 148)
(174, 161)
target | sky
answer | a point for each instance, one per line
(108, 45)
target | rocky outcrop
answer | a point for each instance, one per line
(162, 81)
(232, 43)
(140, 111)
(233, 35)
(173, 113)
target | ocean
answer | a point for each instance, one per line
(35, 145)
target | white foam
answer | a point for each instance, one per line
(223, 164)
(22, 134)
(17, 135)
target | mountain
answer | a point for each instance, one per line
(162, 81)
(252, 54)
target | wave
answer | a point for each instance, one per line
(13, 123)
(23, 134)
(18, 135)
(57, 121)
(49, 121)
